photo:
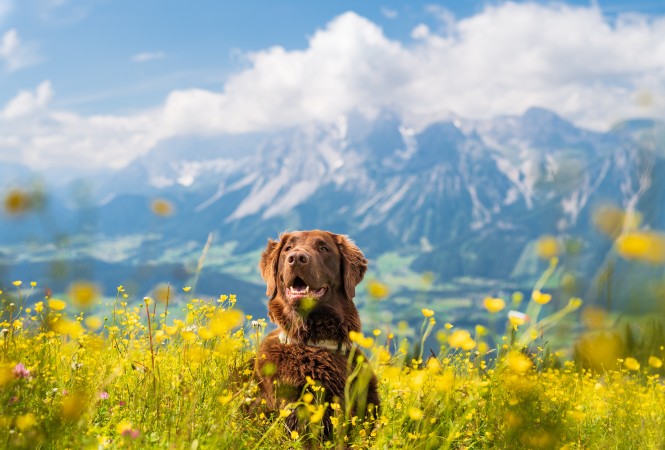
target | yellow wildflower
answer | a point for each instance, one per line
(71, 328)
(360, 339)
(518, 362)
(599, 350)
(188, 336)
(655, 362)
(643, 246)
(611, 220)
(205, 333)
(17, 202)
(377, 290)
(318, 413)
(306, 305)
(72, 406)
(540, 298)
(593, 317)
(25, 421)
(547, 247)
(123, 426)
(517, 318)
(225, 320)
(162, 293)
(83, 293)
(461, 339)
(162, 207)
(494, 305)
(160, 336)
(631, 364)
(415, 413)
(445, 382)
(427, 312)
(56, 305)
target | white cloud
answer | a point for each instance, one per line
(43, 138)
(445, 18)
(421, 31)
(27, 102)
(148, 56)
(350, 65)
(502, 60)
(16, 54)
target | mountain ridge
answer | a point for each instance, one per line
(468, 198)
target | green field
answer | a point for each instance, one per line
(136, 378)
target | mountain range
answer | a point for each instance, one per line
(462, 201)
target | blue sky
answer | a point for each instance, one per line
(98, 82)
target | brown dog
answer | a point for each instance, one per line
(311, 278)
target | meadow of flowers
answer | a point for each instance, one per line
(135, 378)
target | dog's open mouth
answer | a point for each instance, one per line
(299, 289)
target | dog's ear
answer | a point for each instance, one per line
(268, 264)
(354, 264)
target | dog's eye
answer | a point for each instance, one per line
(323, 248)
(287, 248)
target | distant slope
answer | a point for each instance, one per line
(465, 198)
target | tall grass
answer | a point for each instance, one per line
(138, 379)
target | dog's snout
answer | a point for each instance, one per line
(297, 258)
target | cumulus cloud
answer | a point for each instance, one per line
(344, 68)
(14, 53)
(503, 60)
(45, 138)
(27, 102)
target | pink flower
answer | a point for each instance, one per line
(20, 371)
(104, 395)
(131, 433)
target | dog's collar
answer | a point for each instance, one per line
(327, 344)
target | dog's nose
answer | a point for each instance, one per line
(297, 258)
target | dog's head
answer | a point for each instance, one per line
(311, 278)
